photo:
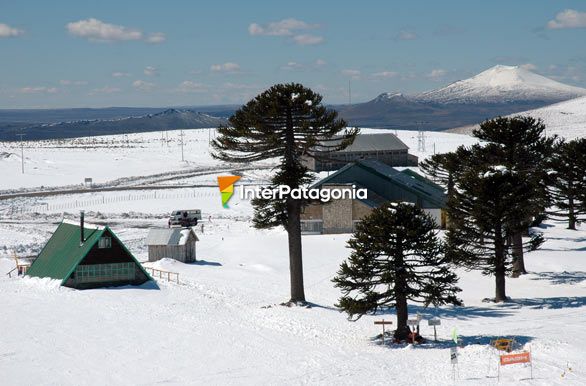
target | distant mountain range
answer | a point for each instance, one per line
(169, 119)
(500, 90)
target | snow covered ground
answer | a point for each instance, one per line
(565, 119)
(223, 323)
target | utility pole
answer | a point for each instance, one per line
(21, 151)
(349, 92)
(182, 158)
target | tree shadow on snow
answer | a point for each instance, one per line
(458, 312)
(548, 303)
(464, 340)
(565, 277)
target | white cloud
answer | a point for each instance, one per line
(292, 28)
(407, 35)
(385, 74)
(320, 62)
(156, 38)
(568, 18)
(285, 27)
(307, 40)
(104, 90)
(436, 73)
(67, 82)
(143, 85)
(151, 71)
(528, 66)
(354, 74)
(98, 31)
(189, 86)
(225, 67)
(119, 74)
(292, 66)
(38, 90)
(7, 31)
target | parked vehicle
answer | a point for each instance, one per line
(184, 218)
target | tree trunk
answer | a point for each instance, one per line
(295, 251)
(499, 267)
(571, 214)
(518, 258)
(402, 331)
(293, 219)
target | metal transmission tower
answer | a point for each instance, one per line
(420, 137)
(421, 141)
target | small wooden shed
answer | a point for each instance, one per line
(173, 243)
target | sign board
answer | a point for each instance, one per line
(434, 322)
(511, 359)
(383, 322)
(413, 322)
(454, 355)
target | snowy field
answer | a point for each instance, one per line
(223, 323)
(565, 119)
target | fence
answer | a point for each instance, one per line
(312, 226)
(103, 200)
(163, 274)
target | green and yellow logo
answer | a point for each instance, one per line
(226, 184)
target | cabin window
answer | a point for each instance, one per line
(105, 242)
(105, 272)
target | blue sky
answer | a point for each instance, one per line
(177, 53)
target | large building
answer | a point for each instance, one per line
(383, 183)
(83, 256)
(385, 147)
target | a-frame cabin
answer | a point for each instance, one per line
(83, 256)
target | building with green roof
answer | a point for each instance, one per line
(383, 183)
(83, 256)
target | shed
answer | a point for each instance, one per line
(87, 256)
(173, 243)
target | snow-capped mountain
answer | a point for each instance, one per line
(500, 90)
(501, 84)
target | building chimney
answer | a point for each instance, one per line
(81, 214)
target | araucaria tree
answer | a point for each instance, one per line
(520, 145)
(285, 123)
(485, 214)
(568, 185)
(396, 256)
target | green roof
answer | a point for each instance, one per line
(63, 252)
(408, 181)
(422, 179)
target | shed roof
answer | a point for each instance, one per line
(169, 236)
(63, 252)
(375, 142)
